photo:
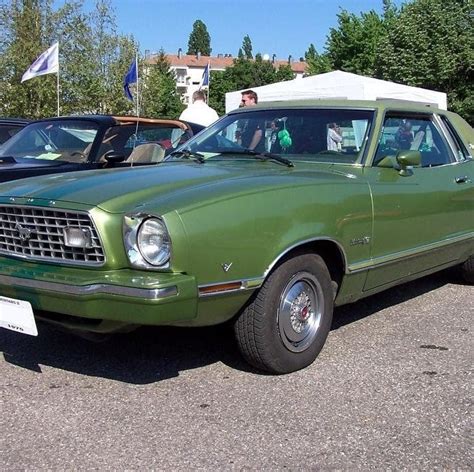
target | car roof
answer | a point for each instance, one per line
(341, 103)
(14, 121)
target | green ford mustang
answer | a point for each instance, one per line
(268, 218)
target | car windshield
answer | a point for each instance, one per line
(73, 141)
(326, 135)
(52, 140)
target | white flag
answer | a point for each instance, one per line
(47, 63)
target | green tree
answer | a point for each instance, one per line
(199, 39)
(159, 95)
(354, 44)
(247, 47)
(219, 86)
(106, 59)
(244, 74)
(23, 36)
(311, 53)
(431, 46)
(284, 73)
(116, 102)
(316, 63)
(91, 61)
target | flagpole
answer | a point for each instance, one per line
(138, 87)
(57, 89)
(138, 103)
(57, 82)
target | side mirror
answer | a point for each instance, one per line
(406, 159)
(114, 157)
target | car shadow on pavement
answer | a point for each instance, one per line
(152, 354)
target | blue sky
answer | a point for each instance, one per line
(281, 27)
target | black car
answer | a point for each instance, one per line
(66, 144)
(10, 126)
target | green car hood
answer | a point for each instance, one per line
(167, 185)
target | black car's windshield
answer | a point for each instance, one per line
(319, 134)
(52, 140)
(82, 141)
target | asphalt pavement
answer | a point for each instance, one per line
(391, 390)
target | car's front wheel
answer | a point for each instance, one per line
(284, 327)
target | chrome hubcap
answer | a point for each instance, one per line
(300, 312)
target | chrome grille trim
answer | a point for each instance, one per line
(36, 233)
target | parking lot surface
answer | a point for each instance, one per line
(392, 389)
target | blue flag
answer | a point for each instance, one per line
(131, 77)
(205, 77)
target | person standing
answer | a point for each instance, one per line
(199, 111)
(334, 138)
(252, 131)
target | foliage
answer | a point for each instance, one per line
(199, 39)
(310, 53)
(23, 35)
(116, 102)
(242, 75)
(425, 43)
(353, 46)
(159, 95)
(93, 59)
(247, 47)
(316, 63)
(284, 73)
(430, 45)
(219, 85)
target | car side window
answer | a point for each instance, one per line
(462, 153)
(414, 133)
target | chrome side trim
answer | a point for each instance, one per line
(400, 256)
(245, 284)
(301, 243)
(142, 293)
(253, 283)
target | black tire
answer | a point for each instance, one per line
(467, 270)
(285, 325)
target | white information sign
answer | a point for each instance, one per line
(17, 315)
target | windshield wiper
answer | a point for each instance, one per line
(188, 154)
(263, 156)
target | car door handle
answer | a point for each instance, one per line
(462, 180)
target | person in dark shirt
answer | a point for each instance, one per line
(275, 146)
(252, 131)
(404, 135)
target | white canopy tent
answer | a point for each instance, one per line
(339, 84)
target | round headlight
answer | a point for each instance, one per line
(154, 242)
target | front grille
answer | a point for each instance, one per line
(37, 233)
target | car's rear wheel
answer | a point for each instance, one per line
(284, 327)
(467, 270)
